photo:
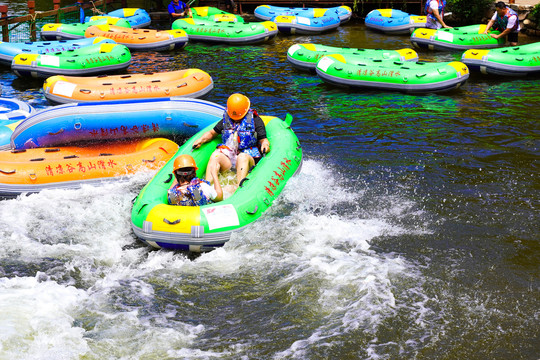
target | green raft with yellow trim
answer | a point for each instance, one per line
(458, 38)
(203, 228)
(232, 33)
(410, 77)
(509, 61)
(76, 31)
(214, 14)
(305, 56)
(89, 60)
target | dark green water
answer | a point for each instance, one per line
(411, 233)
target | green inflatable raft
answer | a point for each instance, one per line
(214, 14)
(89, 60)
(305, 56)
(232, 33)
(411, 77)
(76, 31)
(203, 228)
(458, 38)
(510, 61)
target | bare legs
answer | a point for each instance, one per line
(219, 162)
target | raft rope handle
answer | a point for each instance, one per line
(242, 182)
(177, 221)
(56, 133)
(7, 172)
(32, 176)
(16, 151)
(37, 159)
(52, 150)
(71, 157)
(85, 91)
(135, 198)
(146, 160)
(181, 85)
(253, 212)
(168, 179)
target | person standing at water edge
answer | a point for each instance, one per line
(240, 125)
(178, 9)
(190, 190)
(435, 13)
(506, 21)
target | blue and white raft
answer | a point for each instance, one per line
(137, 18)
(127, 119)
(268, 12)
(392, 21)
(9, 50)
(12, 112)
(302, 25)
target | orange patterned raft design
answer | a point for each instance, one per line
(193, 83)
(140, 39)
(32, 169)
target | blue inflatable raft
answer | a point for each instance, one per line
(12, 112)
(128, 119)
(137, 18)
(392, 21)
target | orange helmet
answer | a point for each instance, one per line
(237, 106)
(184, 161)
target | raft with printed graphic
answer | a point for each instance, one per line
(233, 33)
(9, 50)
(392, 21)
(137, 18)
(76, 31)
(88, 60)
(12, 112)
(141, 39)
(305, 56)
(214, 14)
(458, 38)
(411, 77)
(203, 228)
(61, 125)
(268, 12)
(192, 83)
(33, 170)
(509, 61)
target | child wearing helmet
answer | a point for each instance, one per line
(244, 125)
(190, 190)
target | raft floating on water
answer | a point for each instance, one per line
(137, 18)
(141, 39)
(301, 25)
(305, 56)
(214, 14)
(175, 118)
(458, 38)
(392, 21)
(204, 228)
(76, 31)
(33, 170)
(9, 50)
(419, 77)
(268, 12)
(234, 33)
(509, 61)
(192, 83)
(89, 60)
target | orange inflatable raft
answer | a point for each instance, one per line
(33, 170)
(192, 83)
(141, 39)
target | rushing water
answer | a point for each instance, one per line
(412, 231)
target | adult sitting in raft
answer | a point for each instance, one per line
(435, 12)
(240, 123)
(178, 10)
(190, 190)
(506, 21)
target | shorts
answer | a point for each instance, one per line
(512, 37)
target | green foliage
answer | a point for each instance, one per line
(468, 12)
(535, 14)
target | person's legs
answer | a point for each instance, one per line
(218, 162)
(513, 39)
(244, 162)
